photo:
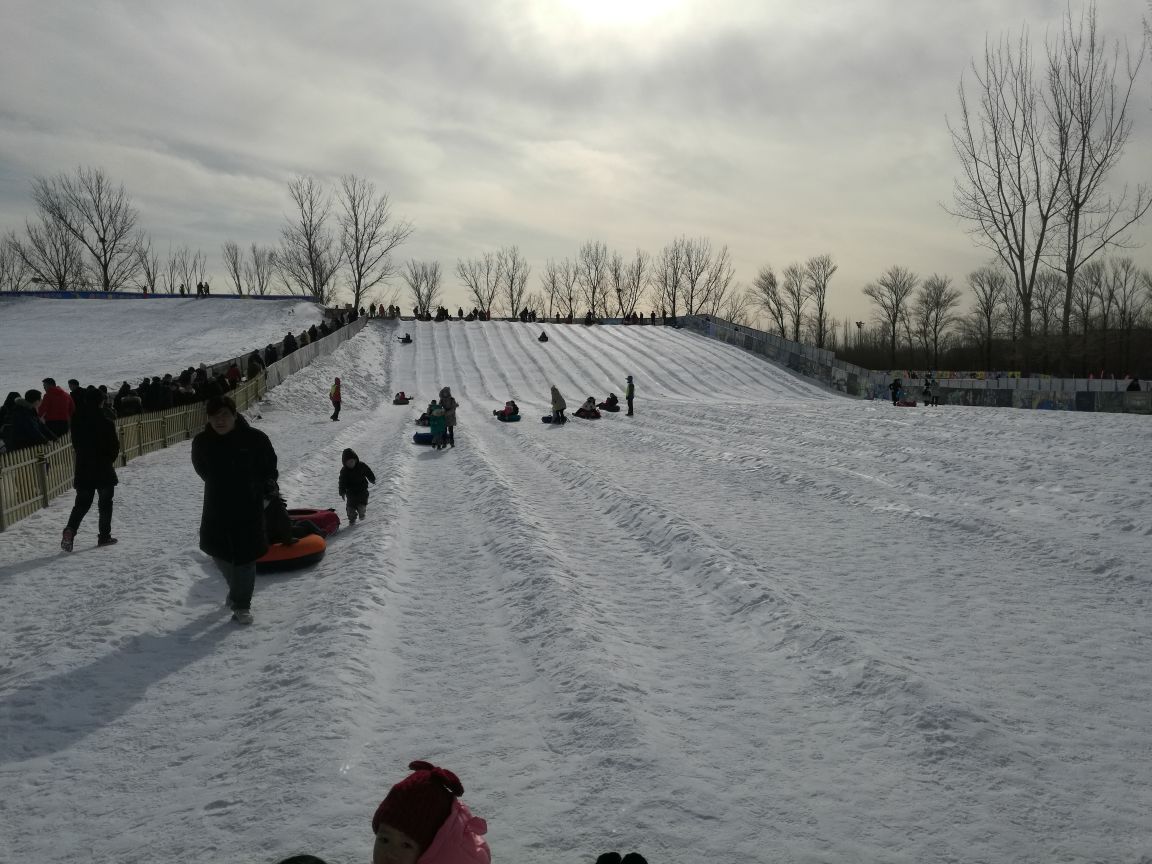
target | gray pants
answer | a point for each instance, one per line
(241, 579)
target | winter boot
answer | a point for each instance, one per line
(66, 539)
(106, 540)
(351, 518)
(242, 616)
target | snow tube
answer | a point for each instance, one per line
(508, 418)
(302, 553)
(324, 521)
(547, 418)
(402, 401)
(588, 415)
(906, 403)
(604, 406)
(422, 438)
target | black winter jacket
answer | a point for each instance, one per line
(239, 472)
(354, 480)
(96, 444)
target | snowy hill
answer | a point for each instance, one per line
(756, 622)
(109, 341)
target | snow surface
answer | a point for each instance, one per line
(109, 341)
(755, 622)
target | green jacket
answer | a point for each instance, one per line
(629, 390)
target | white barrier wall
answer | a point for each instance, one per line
(304, 355)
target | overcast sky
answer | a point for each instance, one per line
(779, 128)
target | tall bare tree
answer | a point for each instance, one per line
(718, 281)
(1085, 298)
(695, 263)
(1047, 303)
(192, 267)
(482, 277)
(171, 274)
(569, 288)
(52, 255)
(593, 269)
(550, 285)
(891, 293)
(148, 265)
(737, 306)
(818, 272)
(766, 293)
(933, 310)
(514, 272)
(233, 264)
(1088, 97)
(309, 255)
(635, 279)
(666, 277)
(15, 275)
(368, 235)
(258, 269)
(99, 215)
(423, 281)
(794, 297)
(1011, 191)
(1130, 303)
(989, 286)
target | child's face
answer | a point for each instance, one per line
(394, 847)
(349, 463)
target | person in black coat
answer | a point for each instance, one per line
(22, 425)
(354, 479)
(96, 444)
(238, 466)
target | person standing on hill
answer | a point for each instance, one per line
(56, 408)
(449, 404)
(96, 445)
(334, 396)
(559, 406)
(629, 394)
(353, 485)
(238, 466)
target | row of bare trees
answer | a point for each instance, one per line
(786, 301)
(918, 322)
(1038, 140)
(85, 235)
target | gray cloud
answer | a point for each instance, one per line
(780, 131)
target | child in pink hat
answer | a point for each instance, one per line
(423, 821)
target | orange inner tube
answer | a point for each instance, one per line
(306, 550)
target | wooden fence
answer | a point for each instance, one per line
(31, 477)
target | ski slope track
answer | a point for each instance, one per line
(755, 622)
(109, 341)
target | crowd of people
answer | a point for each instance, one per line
(526, 315)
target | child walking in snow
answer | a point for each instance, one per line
(334, 397)
(354, 478)
(423, 819)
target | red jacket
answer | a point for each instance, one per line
(334, 393)
(56, 405)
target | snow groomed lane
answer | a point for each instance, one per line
(756, 621)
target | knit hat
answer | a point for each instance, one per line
(420, 803)
(629, 378)
(349, 453)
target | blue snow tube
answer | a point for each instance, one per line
(422, 438)
(508, 418)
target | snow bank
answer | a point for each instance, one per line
(752, 623)
(109, 341)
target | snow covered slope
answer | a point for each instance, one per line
(109, 341)
(754, 622)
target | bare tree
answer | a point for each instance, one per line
(766, 293)
(482, 277)
(1011, 190)
(192, 266)
(309, 257)
(514, 272)
(15, 274)
(718, 282)
(990, 287)
(666, 278)
(1048, 300)
(793, 297)
(891, 293)
(99, 215)
(695, 263)
(635, 279)
(148, 265)
(818, 272)
(615, 286)
(737, 306)
(368, 235)
(171, 275)
(258, 269)
(550, 283)
(1089, 92)
(233, 264)
(52, 255)
(1130, 301)
(423, 281)
(593, 270)
(1085, 297)
(933, 313)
